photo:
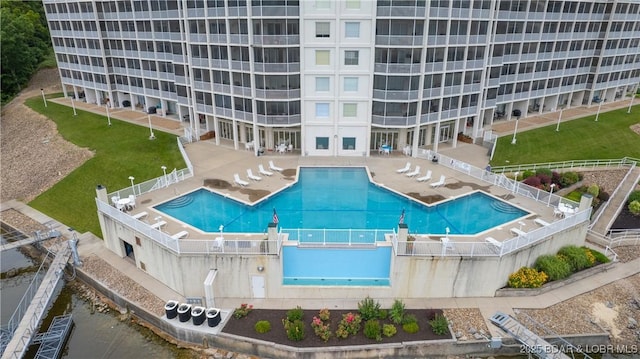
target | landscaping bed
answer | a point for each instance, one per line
(245, 327)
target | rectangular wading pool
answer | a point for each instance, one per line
(336, 266)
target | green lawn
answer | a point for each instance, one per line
(120, 151)
(580, 139)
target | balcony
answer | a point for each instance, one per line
(397, 121)
(397, 68)
(277, 67)
(399, 40)
(278, 94)
(276, 39)
(401, 11)
(278, 119)
(275, 10)
(395, 95)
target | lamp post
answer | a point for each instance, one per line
(164, 171)
(44, 99)
(633, 95)
(515, 182)
(73, 105)
(447, 230)
(598, 112)
(108, 114)
(133, 189)
(151, 135)
(550, 193)
(559, 119)
(515, 131)
(221, 228)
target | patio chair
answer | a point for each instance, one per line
(439, 183)
(274, 167)
(541, 222)
(404, 169)
(263, 171)
(180, 235)
(252, 176)
(425, 177)
(518, 232)
(140, 216)
(415, 172)
(239, 181)
(132, 201)
(158, 225)
(494, 242)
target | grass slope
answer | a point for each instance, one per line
(120, 151)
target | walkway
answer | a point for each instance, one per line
(616, 201)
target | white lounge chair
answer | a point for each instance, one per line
(541, 222)
(181, 234)
(439, 183)
(518, 232)
(496, 243)
(425, 177)
(132, 201)
(158, 225)
(239, 181)
(274, 167)
(252, 176)
(446, 243)
(415, 172)
(404, 169)
(140, 216)
(263, 171)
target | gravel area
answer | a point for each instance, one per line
(35, 157)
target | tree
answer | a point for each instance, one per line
(24, 39)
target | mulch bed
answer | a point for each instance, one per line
(245, 327)
(626, 220)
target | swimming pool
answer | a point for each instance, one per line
(340, 198)
(336, 266)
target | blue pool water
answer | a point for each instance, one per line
(336, 267)
(340, 198)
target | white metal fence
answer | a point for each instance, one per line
(337, 236)
(584, 164)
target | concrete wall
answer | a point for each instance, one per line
(411, 277)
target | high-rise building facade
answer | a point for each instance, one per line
(343, 77)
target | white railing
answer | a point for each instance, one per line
(483, 249)
(623, 162)
(231, 244)
(626, 195)
(174, 176)
(345, 237)
(499, 180)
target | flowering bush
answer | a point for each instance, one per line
(349, 325)
(322, 330)
(324, 314)
(242, 311)
(527, 277)
(295, 329)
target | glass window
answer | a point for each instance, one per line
(323, 29)
(350, 84)
(322, 57)
(322, 143)
(322, 110)
(322, 84)
(348, 143)
(350, 110)
(351, 57)
(352, 30)
(353, 4)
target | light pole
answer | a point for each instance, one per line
(447, 230)
(515, 182)
(43, 98)
(598, 112)
(108, 114)
(633, 95)
(164, 171)
(133, 189)
(515, 131)
(559, 119)
(550, 193)
(151, 135)
(73, 105)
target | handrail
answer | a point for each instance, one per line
(626, 161)
(631, 189)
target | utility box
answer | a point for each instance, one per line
(496, 343)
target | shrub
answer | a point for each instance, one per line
(633, 196)
(322, 329)
(533, 182)
(604, 196)
(634, 207)
(599, 256)
(383, 314)
(396, 313)
(544, 180)
(368, 308)
(574, 196)
(576, 257)
(295, 314)
(439, 324)
(349, 325)
(411, 328)
(372, 329)
(593, 190)
(590, 257)
(553, 266)
(389, 330)
(262, 326)
(324, 314)
(544, 172)
(569, 178)
(242, 311)
(295, 329)
(527, 277)
(555, 177)
(528, 173)
(409, 318)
